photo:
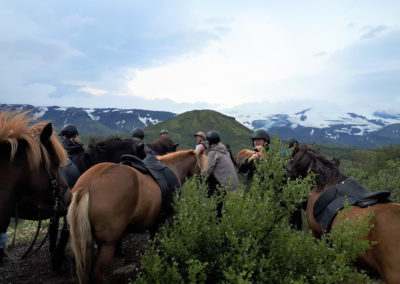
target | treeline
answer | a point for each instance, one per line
(376, 170)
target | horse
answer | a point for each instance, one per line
(109, 197)
(98, 151)
(161, 146)
(384, 256)
(111, 150)
(32, 186)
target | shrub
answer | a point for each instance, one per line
(253, 240)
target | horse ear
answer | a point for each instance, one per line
(175, 146)
(46, 133)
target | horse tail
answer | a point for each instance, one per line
(81, 236)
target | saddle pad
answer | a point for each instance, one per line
(164, 177)
(332, 200)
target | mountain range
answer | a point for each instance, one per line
(308, 125)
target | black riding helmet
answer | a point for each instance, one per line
(69, 131)
(261, 134)
(213, 137)
(138, 132)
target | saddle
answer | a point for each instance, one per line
(164, 177)
(332, 201)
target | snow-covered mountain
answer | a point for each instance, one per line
(95, 121)
(308, 125)
(321, 126)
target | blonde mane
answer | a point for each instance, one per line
(243, 155)
(15, 129)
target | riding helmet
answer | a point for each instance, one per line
(213, 137)
(164, 131)
(69, 131)
(261, 134)
(138, 132)
(292, 141)
(201, 134)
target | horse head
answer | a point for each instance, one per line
(162, 146)
(307, 158)
(243, 155)
(32, 185)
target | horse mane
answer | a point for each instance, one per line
(162, 145)
(174, 155)
(327, 171)
(243, 155)
(15, 131)
(107, 145)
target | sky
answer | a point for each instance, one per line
(268, 56)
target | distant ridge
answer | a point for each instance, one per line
(309, 125)
(94, 121)
(182, 128)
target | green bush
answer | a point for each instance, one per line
(252, 241)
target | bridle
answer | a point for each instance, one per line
(57, 198)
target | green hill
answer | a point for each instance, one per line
(182, 128)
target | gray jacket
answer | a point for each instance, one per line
(221, 166)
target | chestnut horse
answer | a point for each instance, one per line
(109, 197)
(384, 256)
(31, 186)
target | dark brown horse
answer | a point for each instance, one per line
(161, 146)
(31, 186)
(109, 197)
(384, 256)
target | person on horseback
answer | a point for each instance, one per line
(200, 141)
(70, 140)
(138, 134)
(220, 166)
(260, 140)
(164, 133)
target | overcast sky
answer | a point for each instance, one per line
(183, 55)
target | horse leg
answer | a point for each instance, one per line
(53, 233)
(59, 252)
(104, 258)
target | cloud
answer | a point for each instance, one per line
(374, 32)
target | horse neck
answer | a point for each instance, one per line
(181, 165)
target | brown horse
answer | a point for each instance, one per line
(31, 184)
(384, 256)
(161, 146)
(109, 197)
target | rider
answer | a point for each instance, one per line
(138, 134)
(200, 140)
(220, 167)
(164, 133)
(260, 141)
(70, 140)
